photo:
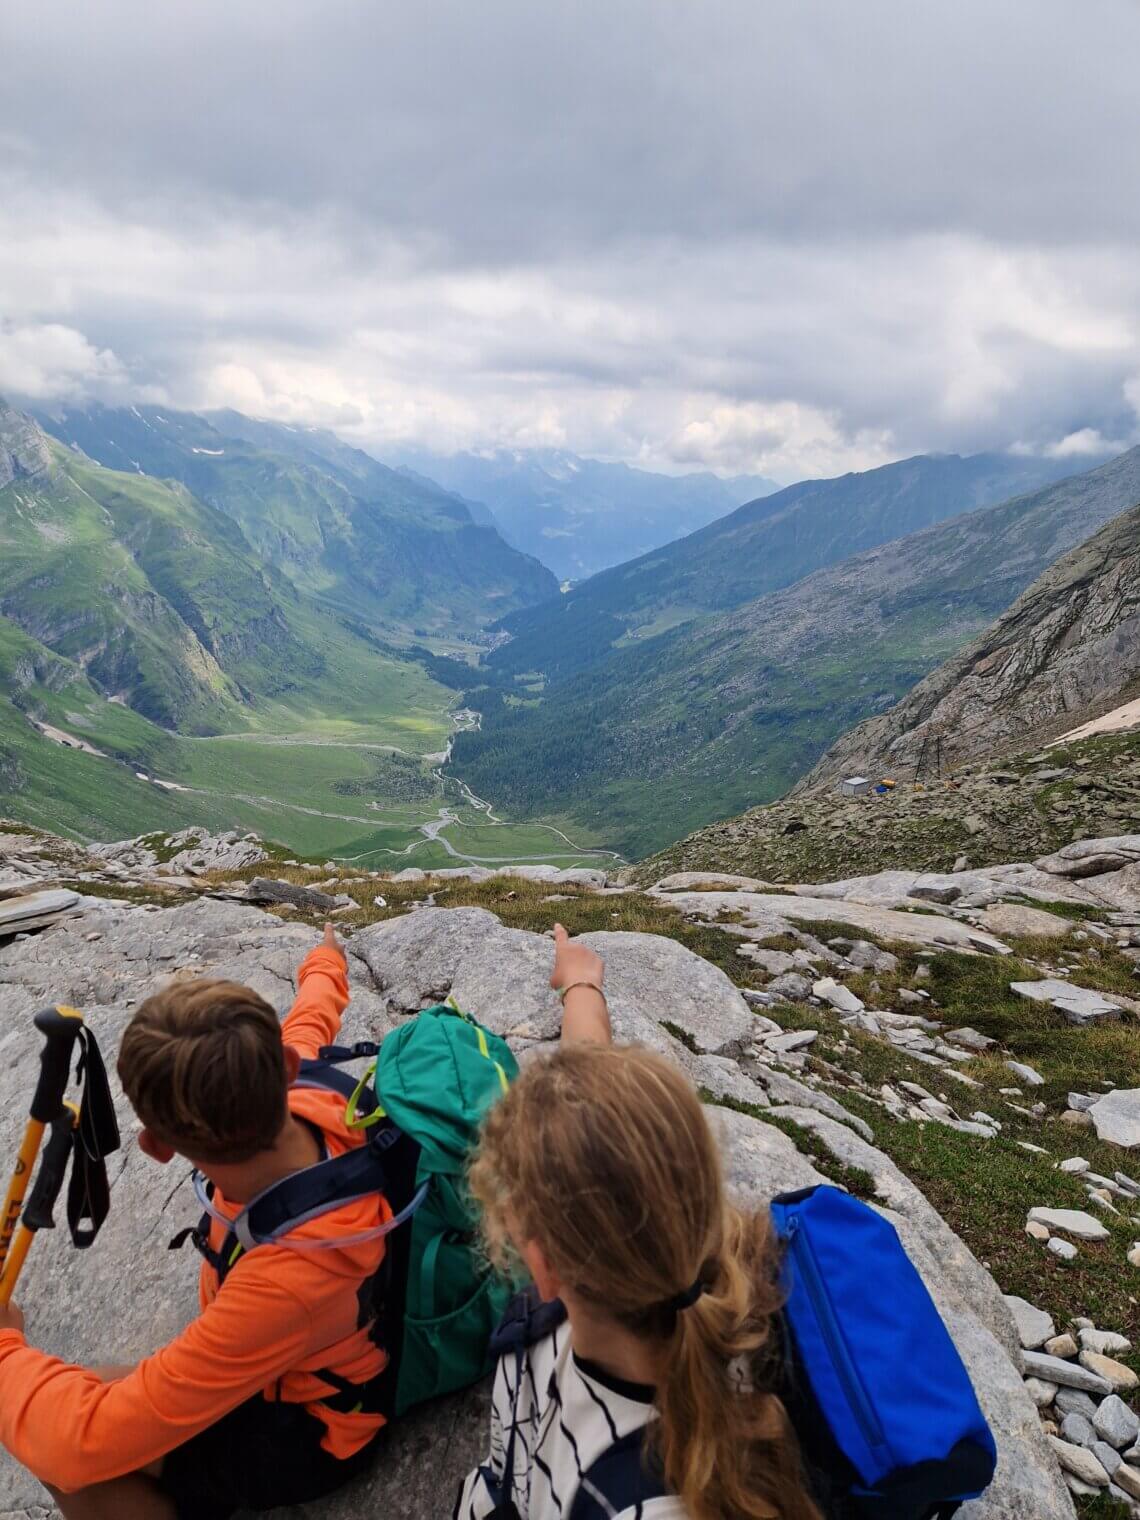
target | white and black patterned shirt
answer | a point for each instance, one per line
(566, 1414)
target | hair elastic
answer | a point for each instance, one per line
(685, 1300)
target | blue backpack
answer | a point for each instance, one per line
(885, 1412)
(892, 1417)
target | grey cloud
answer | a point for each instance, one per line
(781, 237)
(508, 126)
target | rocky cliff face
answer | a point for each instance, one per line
(23, 448)
(1067, 650)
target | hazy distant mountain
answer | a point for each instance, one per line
(579, 515)
(647, 740)
(391, 550)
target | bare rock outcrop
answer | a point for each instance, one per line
(111, 954)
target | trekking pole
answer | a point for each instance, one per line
(46, 1189)
(60, 1028)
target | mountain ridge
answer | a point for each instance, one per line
(647, 740)
(404, 556)
(760, 547)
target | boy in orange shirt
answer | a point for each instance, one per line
(246, 1409)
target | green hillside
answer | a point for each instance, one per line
(64, 789)
(761, 547)
(136, 621)
(156, 672)
(397, 553)
(653, 739)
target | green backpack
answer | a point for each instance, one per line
(435, 1079)
(435, 1300)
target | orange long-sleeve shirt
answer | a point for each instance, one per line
(281, 1315)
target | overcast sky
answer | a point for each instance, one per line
(793, 238)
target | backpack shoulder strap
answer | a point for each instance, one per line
(315, 1190)
(526, 1320)
(621, 1478)
(325, 1075)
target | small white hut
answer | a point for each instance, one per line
(855, 786)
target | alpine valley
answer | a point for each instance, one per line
(713, 673)
(233, 623)
(235, 632)
(252, 679)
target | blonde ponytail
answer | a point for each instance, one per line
(604, 1156)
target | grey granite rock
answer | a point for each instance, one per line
(1116, 1117)
(1051, 1369)
(791, 987)
(1092, 857)
(1078, 1430)
(651, 981)
(1116, 1423)
(1081, 1463)
(1073, 1401)
(1034, 1326)
(1108, 1456)
(1078, 1004)
(263, 889)
(136, 1294)
(763, 914)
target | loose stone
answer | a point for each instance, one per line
(1081, 1463)
(1073, 1401)
(1026, 1074)
(1071, 1222)
(1108, 1456)
(1106, 1342)
(1051, 1369)
(1116, 1423)
(1061, 1345)
(1042, 1394)
(1078, 1430)
(1121, 1378)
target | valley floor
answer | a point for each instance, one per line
(366, 793)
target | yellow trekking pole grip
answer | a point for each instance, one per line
(60, 1028)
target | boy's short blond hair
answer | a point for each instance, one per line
(203, 1066)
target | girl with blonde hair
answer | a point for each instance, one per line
(598, 1172)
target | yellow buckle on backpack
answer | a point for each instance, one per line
(352, 1119)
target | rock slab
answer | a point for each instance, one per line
(395, 968)
(1116, 1117)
